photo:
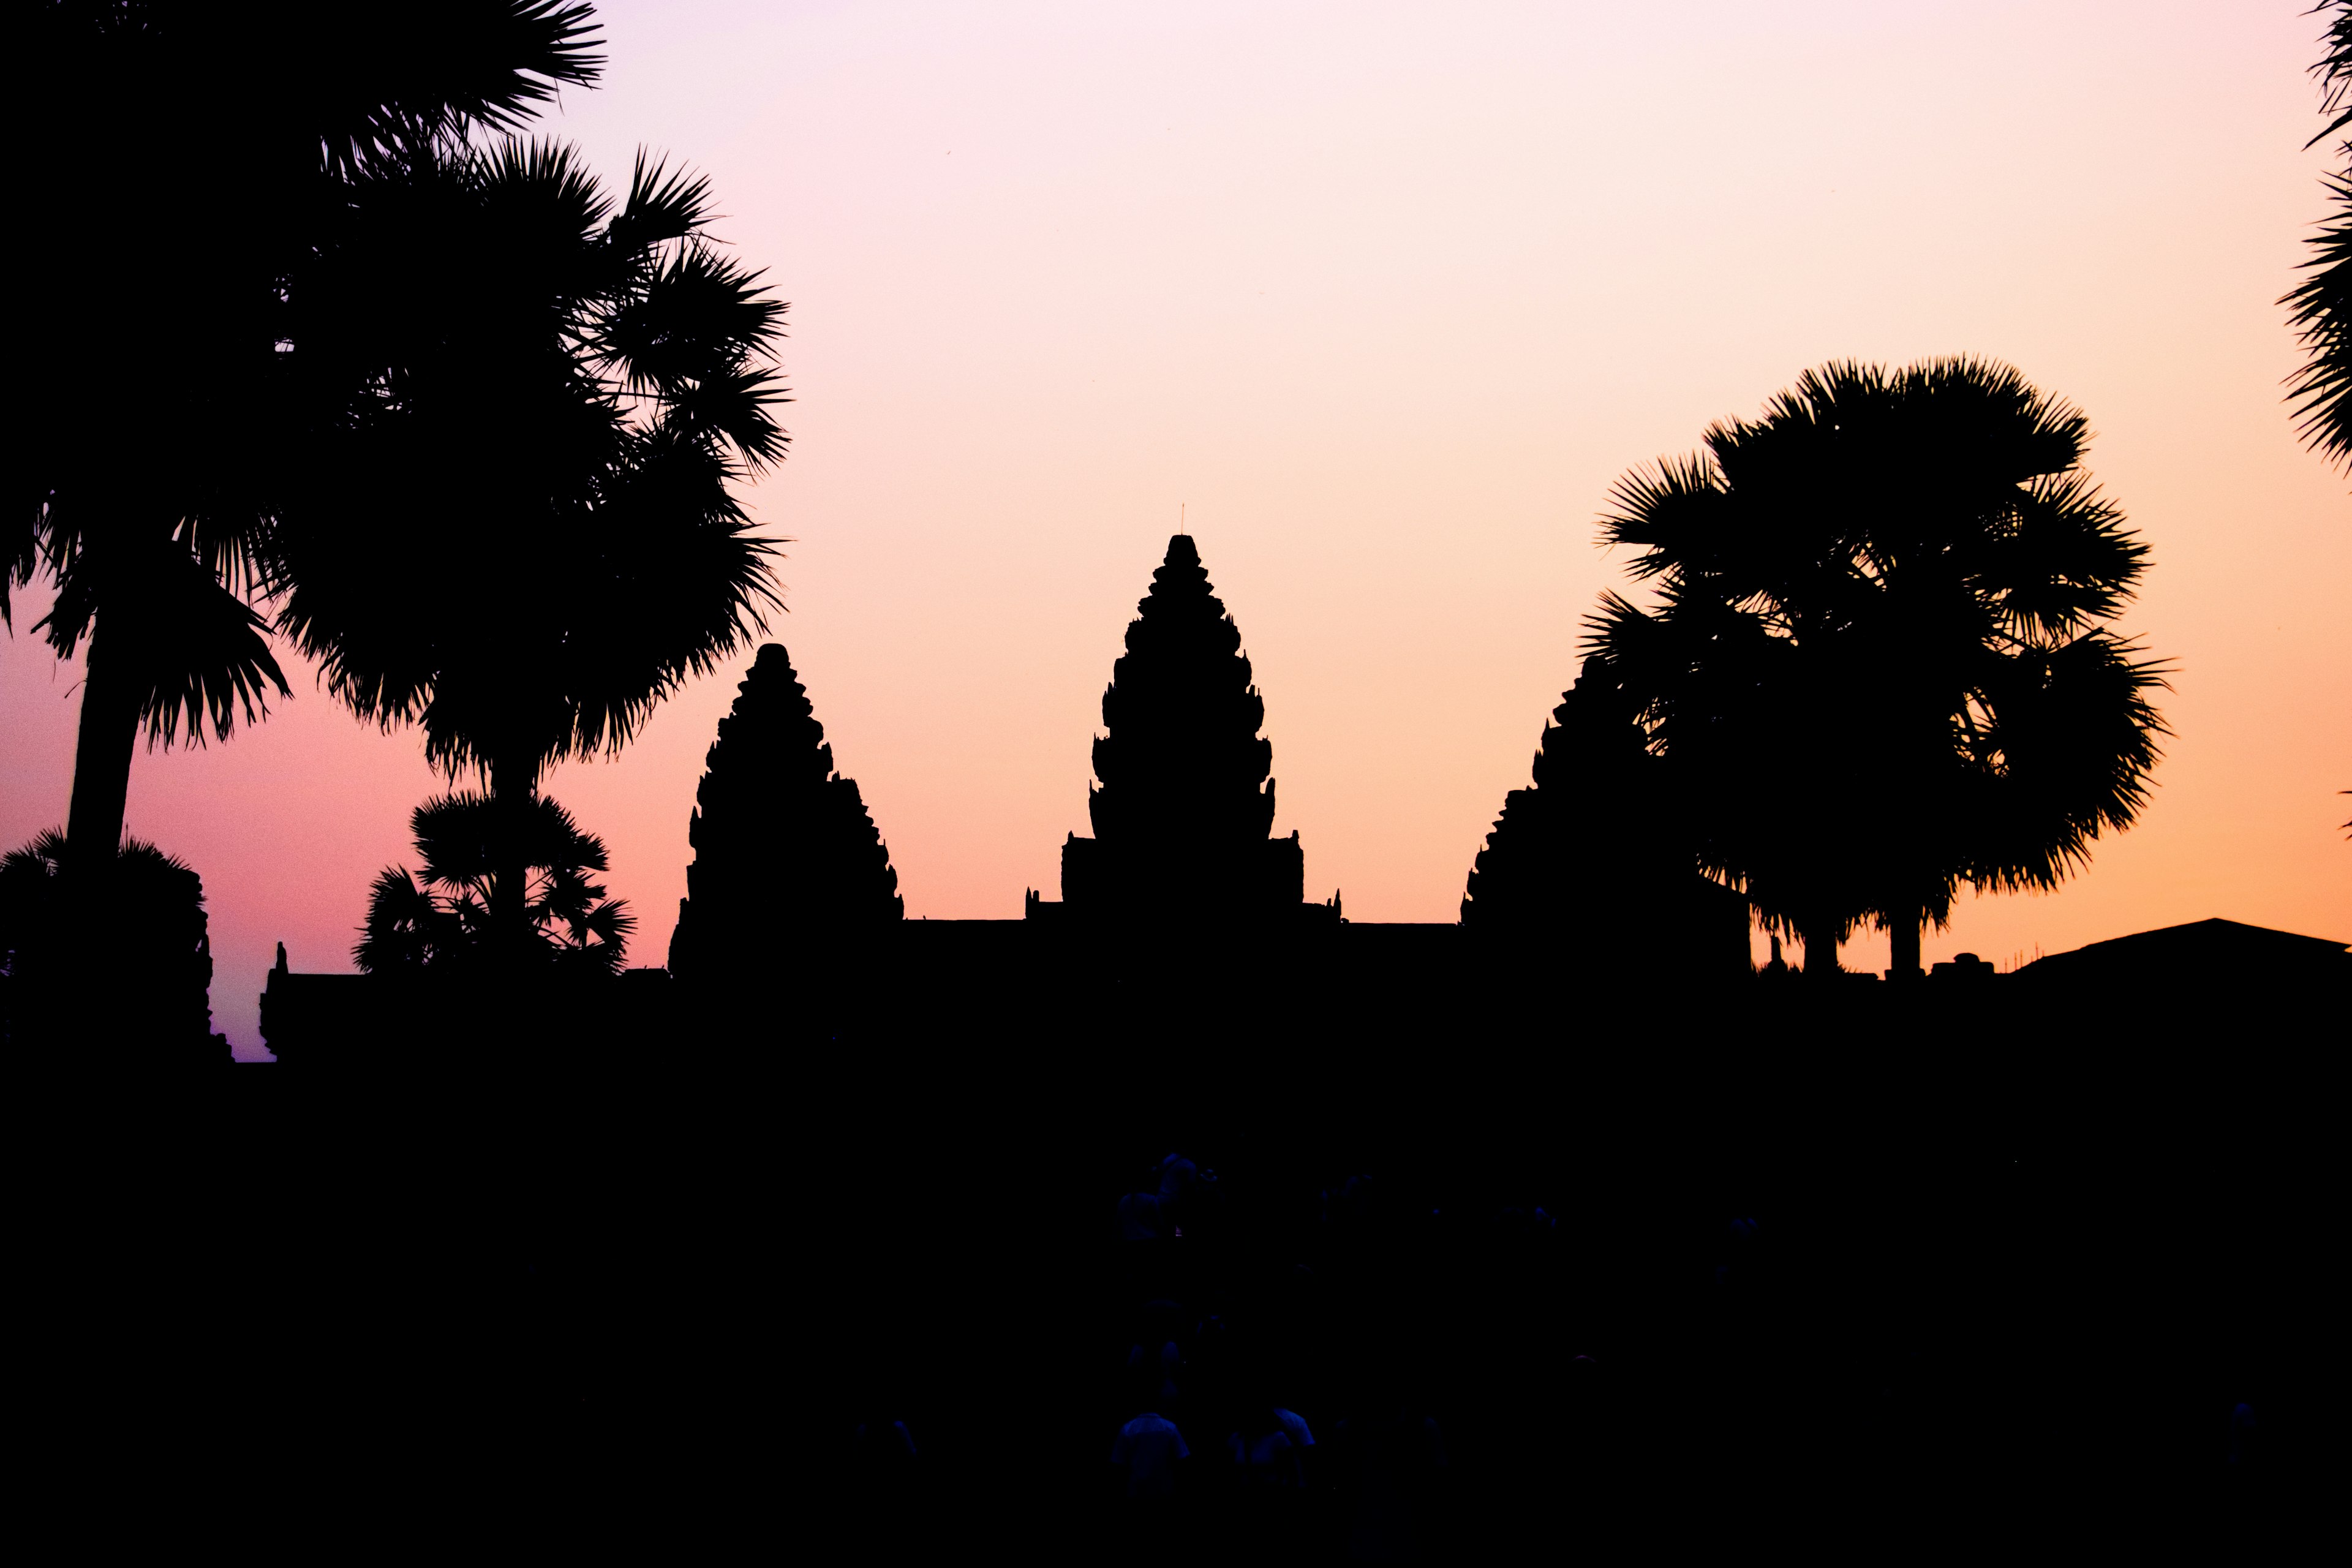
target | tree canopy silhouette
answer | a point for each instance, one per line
(1184, 803)
(786, 858)
(145, 989)
(1878, 666)
(2322, 303)
(528, 539)
(443, 921)
(226, 138)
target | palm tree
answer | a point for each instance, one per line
(147, 984)
(1879, 662)
(201, 151)
(445, 922)
(526, 539)
(2322, 303)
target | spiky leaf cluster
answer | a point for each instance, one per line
(785, 854)
(441, 917)
(2321, 305)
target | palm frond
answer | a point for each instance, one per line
(487, 64)
(404, 926)
(1674, 509)
(194, 650)
(203, 656)
(23, 532)
(2333, 68)
(2076, 738)
(455, 834)
(2320, 309)
(2066, 560)
(663, 204)
(733, 404)
(695, 318)
(601, 933)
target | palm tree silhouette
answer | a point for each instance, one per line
(2322, 303)
(154, 934)
(224, 138)
(543, 543)
(445, 922)
(1878, 662)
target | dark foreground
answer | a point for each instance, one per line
(1854, 1277)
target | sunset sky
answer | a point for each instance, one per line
(1385, 296)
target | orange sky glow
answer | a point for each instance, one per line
(1386, 297)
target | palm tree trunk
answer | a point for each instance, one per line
(108, 734)
(70, 1001)
(511, 787)
(1903, 944)
(1820, 939)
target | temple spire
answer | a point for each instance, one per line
(786, 856)
(1185, 797)
(1591, 863)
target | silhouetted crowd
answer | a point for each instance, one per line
(1260, 1356)
(1589, 1315)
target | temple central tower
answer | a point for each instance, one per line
(1184, 801)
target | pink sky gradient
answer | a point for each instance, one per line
(1388, 297)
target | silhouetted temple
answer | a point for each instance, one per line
(1181, 916)
(1586, 861)
(1182, 813)
(787, 862)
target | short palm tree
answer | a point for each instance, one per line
(152, 944)
(223, 139)
(526, 539)
(1879, 662)
(2322, 302)
(443, 922)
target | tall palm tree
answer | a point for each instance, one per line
(2322, 303)
(1879, 662)
(444, 920)
(526, 538)
(191, 155)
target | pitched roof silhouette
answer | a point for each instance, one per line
(2211, 948)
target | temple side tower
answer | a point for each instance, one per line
(1591, 865)
(787, 859)
(1184, 801)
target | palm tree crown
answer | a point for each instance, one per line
(2322, 303)
(444, 920)
(526, 538)
(1879, 660)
